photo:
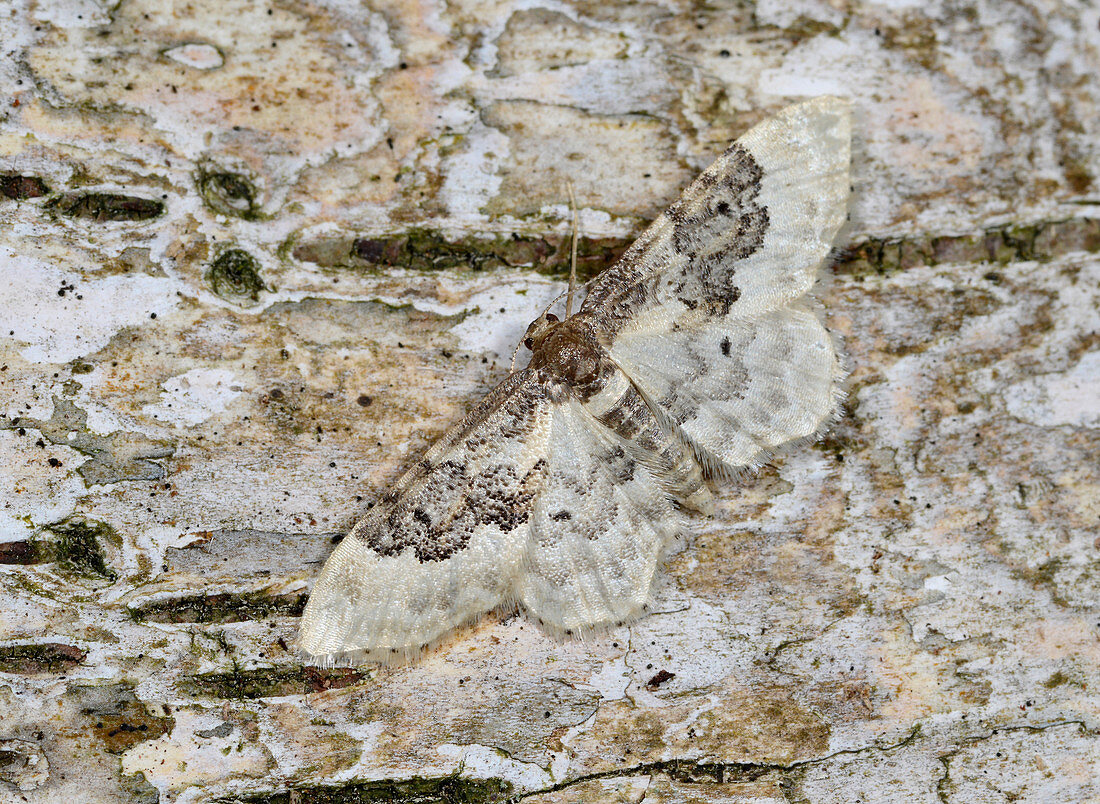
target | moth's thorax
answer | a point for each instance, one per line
(568, 352)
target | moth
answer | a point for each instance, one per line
(696, 356)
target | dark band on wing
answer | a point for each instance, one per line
(715, 224)
(437, 526)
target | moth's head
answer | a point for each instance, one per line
(539, 329)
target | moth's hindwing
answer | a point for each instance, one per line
(737, 387)
(600, 525)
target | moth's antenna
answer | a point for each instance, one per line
(512, 365)
(572, 252)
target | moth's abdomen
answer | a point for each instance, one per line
(619, 407)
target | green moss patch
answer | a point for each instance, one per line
(427, 250)
(448, 790)
(270, 682)
(228, 193)
(1058, 679)
(40, 658)
(77, 545)
(235, 275)
(103, 207)
(225, 607)
(1000, 245)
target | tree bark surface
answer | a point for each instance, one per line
(257, 257)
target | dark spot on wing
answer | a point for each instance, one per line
(722, 299)
(725, 346)
(561, 516)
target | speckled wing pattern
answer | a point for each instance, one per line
(446, 543)
(708, 311)
(697, 354)
(598, 529)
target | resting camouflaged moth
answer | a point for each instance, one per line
(698, 354)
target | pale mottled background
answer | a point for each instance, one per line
(256, 256)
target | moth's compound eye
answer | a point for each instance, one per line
(553, 319)
(530, 344)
